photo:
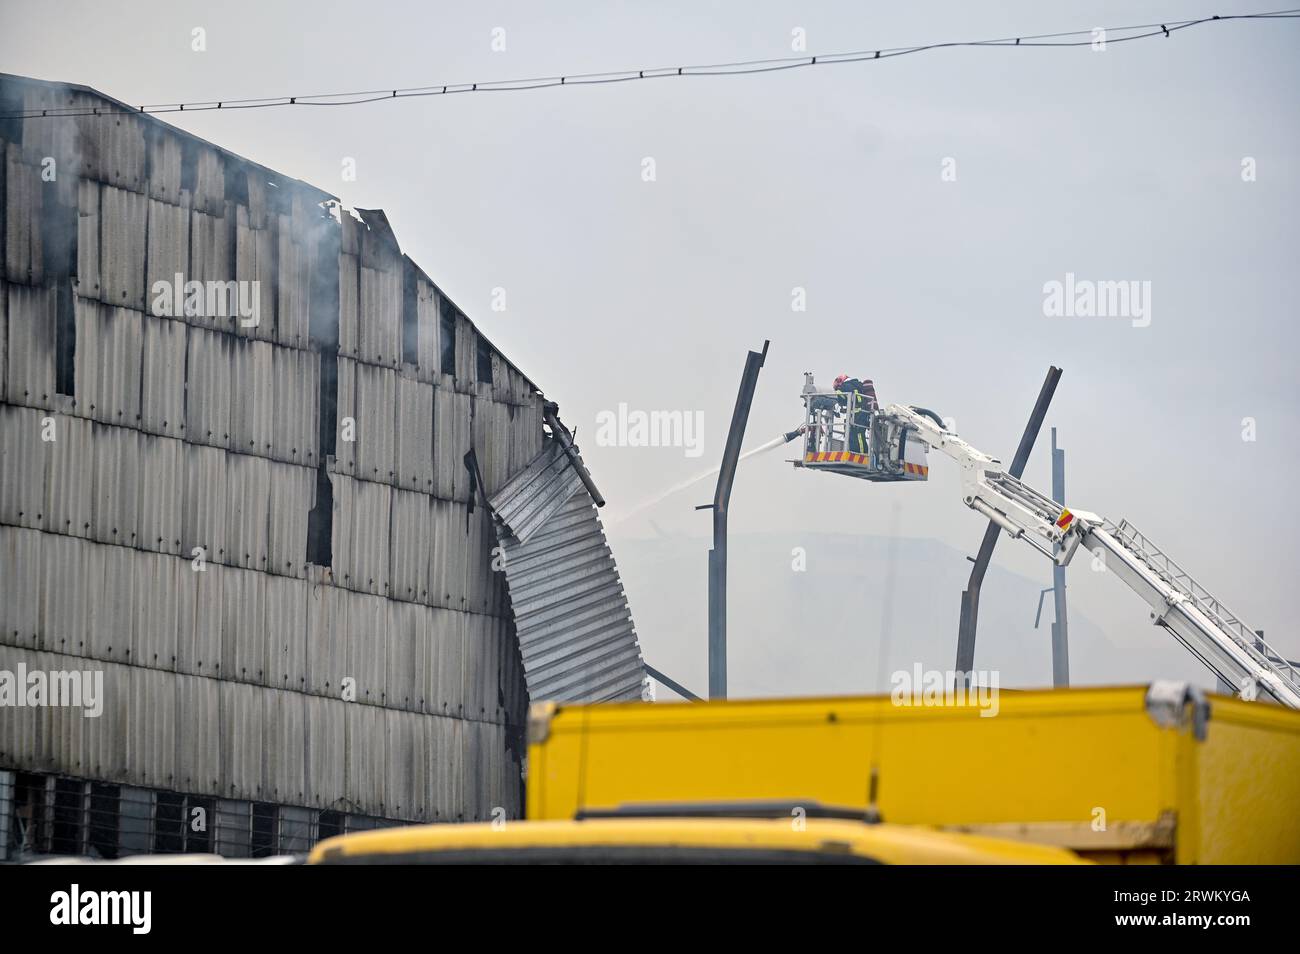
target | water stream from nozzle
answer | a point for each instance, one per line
(678, 488)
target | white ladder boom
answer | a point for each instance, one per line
(1198, 620)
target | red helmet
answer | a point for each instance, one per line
(841, 379)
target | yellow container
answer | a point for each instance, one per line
(1116, 774)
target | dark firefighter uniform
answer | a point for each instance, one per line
(866, 403)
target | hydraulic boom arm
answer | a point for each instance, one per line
(1216, 636)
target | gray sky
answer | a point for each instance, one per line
(1122, 165)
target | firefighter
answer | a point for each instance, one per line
(865, 402)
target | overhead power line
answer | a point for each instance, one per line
(1073, 38)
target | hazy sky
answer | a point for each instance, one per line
(1116, 165)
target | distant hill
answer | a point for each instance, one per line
(818, 631)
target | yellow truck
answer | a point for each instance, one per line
(680, 840)
(1141, 774)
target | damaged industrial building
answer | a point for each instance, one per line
(321, 538)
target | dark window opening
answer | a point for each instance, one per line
(65, 341)
(68, 817)
(263, 843)
(102, 820)
(447, 336)
(329, 403)
(328, 824)
(27, 823)
(59, 245)
(323, 295)
(484, 361)
(169, 823)
(320, 522)
(410, 314)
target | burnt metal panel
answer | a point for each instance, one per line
(286, 633)
(251, 397)
(293, 285)
(376, 394)
(88, 280)
(349, 301)
(572, 619)
(255, 265)
(24, 457)
(452, 437)
(447, 778)
(379, 332)
(4, 342)
(414, 434)
(405, 765)
(65, 609)
(200, 612)
(150, 725)
(112, 593)
(165, 159)
(161, 493)
(284, 747)
(198, 735)
(242, 716)
(110, 349)
(360, 541)
(167, 255)
(115, 484)
(535, 494)
(243, 625)
(248, 494)
(368, 647)
(162, 376)
(203, 514)
(406, 657)
(466, 354)
(295, 428)
(68, 478)
(293, 494)
(112, 148)
(445, 692)
(156, 622)
(210, 246)
(326, 748)
(449, 553)
(364, 758)
(327, 638)
(20, 577)
(411, 545)
(23, 199)
(30, 352)
(208, 362)
(123, 216)
(482, 668)
(427, 305)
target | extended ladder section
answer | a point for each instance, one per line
(1213, 634)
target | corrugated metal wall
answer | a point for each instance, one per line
(155, 513)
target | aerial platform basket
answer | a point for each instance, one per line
(844, 433)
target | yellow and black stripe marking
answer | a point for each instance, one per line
(836, 457)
